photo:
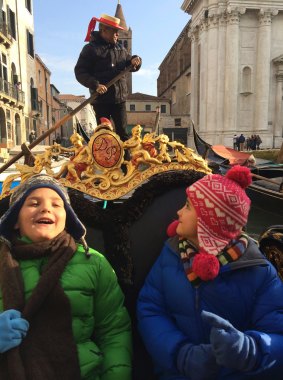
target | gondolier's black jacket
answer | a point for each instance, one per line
(98, 63)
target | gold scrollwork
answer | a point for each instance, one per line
(99, 168)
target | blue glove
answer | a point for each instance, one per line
(197, 362)
(232, 348)
(13, 329)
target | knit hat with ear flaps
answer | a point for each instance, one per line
(222, 207)
(7, 222)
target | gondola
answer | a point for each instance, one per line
(267, 185)
(126, 205)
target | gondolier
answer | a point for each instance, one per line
(100, 61)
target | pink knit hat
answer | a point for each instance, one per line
(222, 207)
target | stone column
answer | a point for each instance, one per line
(263, 69)
(278, 122)
(232, 69)
(212, 69)
(193, 35)
(203, 76)
(221, 74)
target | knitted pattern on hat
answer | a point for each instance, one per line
(7, 222)
(222, 207)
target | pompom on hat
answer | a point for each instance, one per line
(222, 207)
(7, 222)
(112, 22)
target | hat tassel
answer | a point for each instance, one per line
(91, 27)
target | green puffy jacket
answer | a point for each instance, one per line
(97, 307)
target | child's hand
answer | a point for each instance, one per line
(13, 329)
(197, 361)
(232, 348)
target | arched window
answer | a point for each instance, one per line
(246, 87)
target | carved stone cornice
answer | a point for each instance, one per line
(278, 63)
(222, 19)
(278, 60)
(193, 34)
(279, 76)
(203, 25)
(265, 16)
(233, 14)
(213, 20)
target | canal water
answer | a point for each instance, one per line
(260, 219)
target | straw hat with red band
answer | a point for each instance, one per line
(110, 21)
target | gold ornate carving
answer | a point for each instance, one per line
(99, 168)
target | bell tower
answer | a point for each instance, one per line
(125, 38)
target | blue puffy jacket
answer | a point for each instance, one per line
(247, 292)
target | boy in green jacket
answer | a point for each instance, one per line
(62, 313)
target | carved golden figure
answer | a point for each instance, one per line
(79, 162)
(163, 141)
(98, 168)
(42, 161)
(137, 152)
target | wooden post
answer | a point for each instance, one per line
(280, 155)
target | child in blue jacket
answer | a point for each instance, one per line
(212, 305)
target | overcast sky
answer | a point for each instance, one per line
(61, 25)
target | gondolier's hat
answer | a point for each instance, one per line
(110, 21)
(7, 222)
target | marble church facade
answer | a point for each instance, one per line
(237, 69)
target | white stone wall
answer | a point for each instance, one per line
(25, 65)
(236, 80)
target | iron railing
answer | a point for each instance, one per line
(11, 90)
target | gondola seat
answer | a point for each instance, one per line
(131, 234)
(271, 244)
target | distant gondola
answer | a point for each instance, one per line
(267, 185)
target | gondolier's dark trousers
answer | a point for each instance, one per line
(118, 114)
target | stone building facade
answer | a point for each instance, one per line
(174, 83)
(86, 116)
(17, 72)
(236, 69)
(143, 109)
(44, 97)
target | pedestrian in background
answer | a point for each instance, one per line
(241, 141)
(32, 136)
(235, 137)
(58, 139)
(258, 141)
(100, 61)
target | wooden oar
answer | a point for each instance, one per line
(63, 120)
(157, 120)
(268, 180)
